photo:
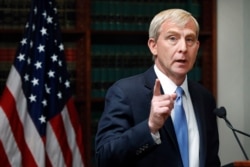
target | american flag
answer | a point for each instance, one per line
(39, 125)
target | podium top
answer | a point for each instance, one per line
(238, 164)
(242, 163)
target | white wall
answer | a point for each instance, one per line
(246, 28)
(233, 52)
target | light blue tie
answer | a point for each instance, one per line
(180, 125)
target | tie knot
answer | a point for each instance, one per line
(179, 91)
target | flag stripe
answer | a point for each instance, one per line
(53, 148)
(76, 126)
(59, 129)
(8, 104)
(72, 136)
(48, 162)
(6, 136)
(3, 157)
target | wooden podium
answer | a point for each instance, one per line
(238, 164)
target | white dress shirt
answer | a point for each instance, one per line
(169, 87)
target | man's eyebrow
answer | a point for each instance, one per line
(191, 34)
(172, 32)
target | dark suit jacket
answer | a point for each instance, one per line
(123, 138)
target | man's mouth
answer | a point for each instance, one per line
(180, 61)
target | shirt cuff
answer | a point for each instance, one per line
(156, 137)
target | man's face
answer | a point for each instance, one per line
(175, 49)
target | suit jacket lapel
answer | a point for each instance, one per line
(199, 118)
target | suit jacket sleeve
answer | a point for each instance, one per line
(119, 139)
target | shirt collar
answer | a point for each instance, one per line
(167, 84)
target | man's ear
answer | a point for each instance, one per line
(198, 44)
(152, 46)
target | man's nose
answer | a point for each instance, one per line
(182, 45)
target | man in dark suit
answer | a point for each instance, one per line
(137, 126)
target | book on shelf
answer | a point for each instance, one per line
(7, 54)
(14, 13)
(133, 15)
(113, 62)
(67, 13)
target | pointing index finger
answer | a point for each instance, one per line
(157, 88)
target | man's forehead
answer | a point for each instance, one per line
(171, 26)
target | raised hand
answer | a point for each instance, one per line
(161, 107)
